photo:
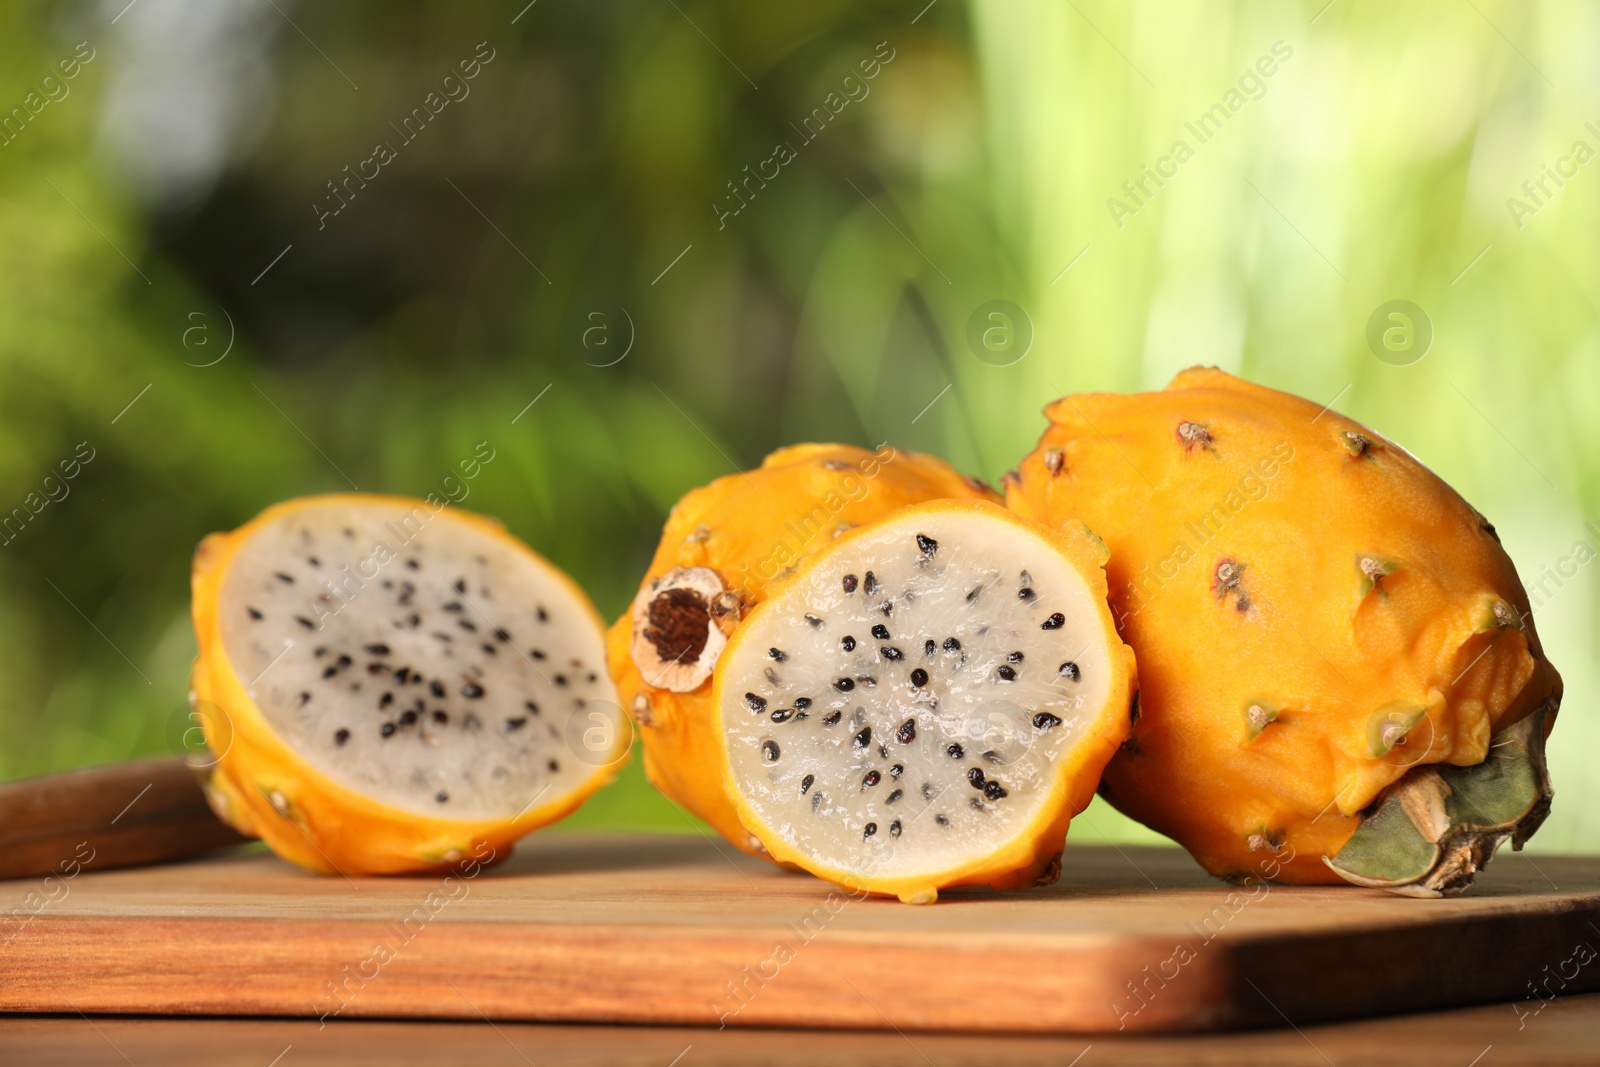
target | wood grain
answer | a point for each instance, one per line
(680, 930)
(1566, 1032)
(121, 815)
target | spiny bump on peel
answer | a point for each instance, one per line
(1193, 435)
(1357, 444)
(1055, 461)
(1390, 725)
(1258, 715)
(1228, 578)
(1374, 569)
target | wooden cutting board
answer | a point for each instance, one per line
(682, 930)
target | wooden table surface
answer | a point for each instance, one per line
(1565, 1031)
(663, 930)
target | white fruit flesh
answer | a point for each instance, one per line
(866, 752)
(418, 660)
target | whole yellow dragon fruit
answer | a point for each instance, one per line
(1340, 677)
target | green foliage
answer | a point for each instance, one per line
(588, 172)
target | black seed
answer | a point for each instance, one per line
(515, 724)
(928, 647)
(472, 690)
(769, 749)
(816, 623)
(441, 717)
(897, 770)
(407, 718)
(330, 672)
(805, 783)
(863, 739)
(888, 607)
(872, 778)
(1007, 674)
(871, 828)
(907, 732)
(454, 607)
(340, 736)
(402, 675)
(844, 685)
(849, 583)
(847, 643)
(303, 621)
(832, 718)
(437, 689)
(871, 585)
(927, 791)
(378, 649)
(972, 594)
(560, 680)
(531, 706)
(343, 661)
(467, 624)
(1054, 622)
(928, 545)
(1025, 593)
(757, 704)
(894, 828)
(1015, 657)
(412, 564)
(896, 795)
(387, 729)
(305, 698)
(777, 654)
(994, 791)
(1069, 670)
(955, 751)
(286, 579)
(802, 703)
(1045, 721)
(441, 796)
(992, 756)
(385, 700)
(952, 645)
(941, 820)
(889, 652)
(975, 777)
(554, 767)
(781, 715)
(881, 632)
(919, 677)
(544, 616)
(314, 561)
(254, 614)
(488, 648)
(461, 586)
(413, 620)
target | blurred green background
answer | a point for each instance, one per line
(173, 296)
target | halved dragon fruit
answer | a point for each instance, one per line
(927, 703)
(388, 685)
